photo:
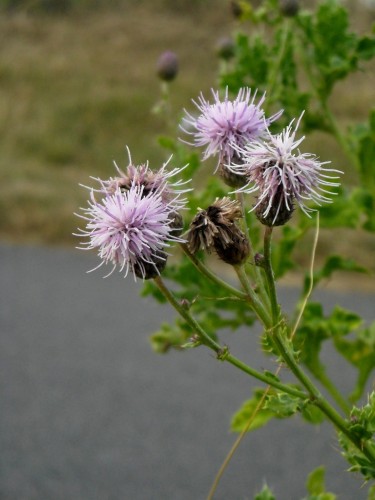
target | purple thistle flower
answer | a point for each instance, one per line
(283, 176)
(225, 127)
(152, 182)
(130, 229)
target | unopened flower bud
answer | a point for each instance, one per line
(152, 269)
(289, 8)
(259, 259)
(225, 48)
(185, 303)
(236, 8)
(167, 66)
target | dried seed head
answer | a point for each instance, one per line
(234, 252)
(215, 229)
(212, 223)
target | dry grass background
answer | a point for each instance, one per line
(76, 88)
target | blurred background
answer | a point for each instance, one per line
(78, 83)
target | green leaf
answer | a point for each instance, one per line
(360, 352)
(169, 336)
(265, 494)
(316, 328)
(242, 417)
(316, 485)
(315, 481)
(282, 405)
(366, 47)
(371, 493)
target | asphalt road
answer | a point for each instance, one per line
(89, 412)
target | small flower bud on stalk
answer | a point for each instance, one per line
(225, 48)
(167, 66)
(236, 8)
(289, 8)
(259, 259)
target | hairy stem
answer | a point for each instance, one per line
(253, 299)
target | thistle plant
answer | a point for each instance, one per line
(233, 235)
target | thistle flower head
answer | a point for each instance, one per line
(225, 127)
(151, 181)
(130, 230)
(283, 176)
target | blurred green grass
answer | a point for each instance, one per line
(76, 88)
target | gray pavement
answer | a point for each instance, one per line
(89, 412)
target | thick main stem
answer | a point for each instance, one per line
(267, 266)
(287, 354)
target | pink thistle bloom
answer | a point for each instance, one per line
(130, 229)
(225, 127)
(282, 174)
(151, 181)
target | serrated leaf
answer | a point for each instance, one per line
(282, 405)
(360, 352)
(169, 336)
(242, 417)
(265, 494)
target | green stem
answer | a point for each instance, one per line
(210, 275)
(331, 388)
(287, 355)
(318, 400)
(256, 274)
(253, 299)
(274, 73)
(267, 266)
(223, 352)
(340, 137)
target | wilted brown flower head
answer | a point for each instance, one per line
(215, 229)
